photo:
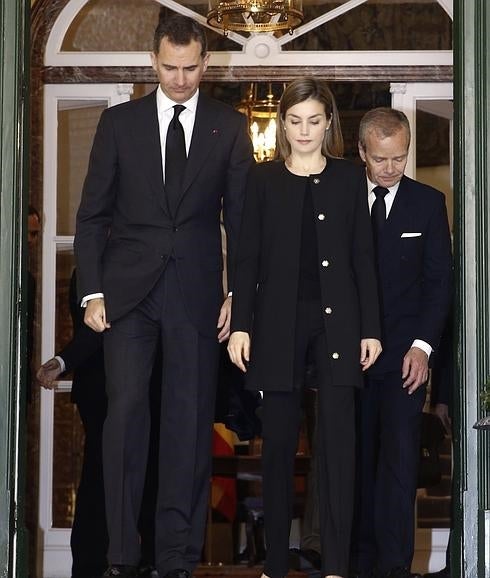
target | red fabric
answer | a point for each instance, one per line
(223, 490)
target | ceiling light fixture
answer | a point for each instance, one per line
(255, 15)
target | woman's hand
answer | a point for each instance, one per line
(239, 349)
(370, 350)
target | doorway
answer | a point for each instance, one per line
(74, 97)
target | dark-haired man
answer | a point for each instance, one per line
(148, 249)
(413, 248)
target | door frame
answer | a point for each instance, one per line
(13, 273)
(55, 67)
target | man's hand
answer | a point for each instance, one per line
(239, 349)
(442, 412)
(370, 350)
(224, 320)
(415, 369)
(48, 373)
(95, 315)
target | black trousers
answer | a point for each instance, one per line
(389, 444)
(335, 455)
(189, 370)
(89, 538)
(310, 529)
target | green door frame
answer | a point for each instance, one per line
(472, 251)
(13, 194)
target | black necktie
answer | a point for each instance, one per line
(175, 159)
(378, 211)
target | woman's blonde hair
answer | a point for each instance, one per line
(298, 91)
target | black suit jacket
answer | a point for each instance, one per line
(266, 278)
(415, 272)
(125, 234)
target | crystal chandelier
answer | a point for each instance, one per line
(261, 111)
(255, 15)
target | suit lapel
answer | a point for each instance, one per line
(205, 136)
(146, 133)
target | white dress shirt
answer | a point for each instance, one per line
(389, 199)
(165, 111)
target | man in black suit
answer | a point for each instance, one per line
(149, 260)
(413, 247)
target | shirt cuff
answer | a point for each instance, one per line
(423, 345)
(88, 298)
(230, 294)
(61, 361)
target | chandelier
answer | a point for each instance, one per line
(260, 107)
(255, 15)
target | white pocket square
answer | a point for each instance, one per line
(411, 235)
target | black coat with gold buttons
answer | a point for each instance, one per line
(267, 269)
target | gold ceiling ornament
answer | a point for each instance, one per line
(260, 107)
(255, 15)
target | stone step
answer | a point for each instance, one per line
(434, 507)
(443, 488)
(446, 464)
(433, 522)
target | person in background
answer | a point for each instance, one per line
(34, 228)
(149, 262)
(305, 281)
(84, 356)
(413, 249)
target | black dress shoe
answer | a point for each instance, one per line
(121, 571)
(444, 573)
(177, 574)
(402, 572)
(147, 571)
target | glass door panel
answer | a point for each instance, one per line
(434, 147)
(71, 116)
(77, 122)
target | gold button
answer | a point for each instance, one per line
(328, 310)
(321, 217)
(316, 181)
(325, 263)
(335, 355)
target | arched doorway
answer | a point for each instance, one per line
(78, 74)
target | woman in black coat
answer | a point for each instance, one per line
(305, 284)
